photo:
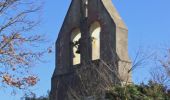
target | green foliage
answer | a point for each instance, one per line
(46, 97)
(152, 91)
(40, 98)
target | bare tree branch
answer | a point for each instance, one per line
(17, 51)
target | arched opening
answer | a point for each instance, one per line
(75, 39)
(95, 30)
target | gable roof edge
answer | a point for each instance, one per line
(114, 14)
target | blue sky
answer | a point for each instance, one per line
(148, 22)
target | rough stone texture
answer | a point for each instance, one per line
(90, 77)
(85, 80)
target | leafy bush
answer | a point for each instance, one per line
(152, 91)
(45, 97)
(40, 98)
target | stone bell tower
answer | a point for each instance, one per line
(91, 51)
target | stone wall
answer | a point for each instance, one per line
(91, 79)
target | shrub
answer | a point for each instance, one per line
(152, 91)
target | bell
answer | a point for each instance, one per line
(78, 49)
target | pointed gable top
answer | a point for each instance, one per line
(114, 14)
